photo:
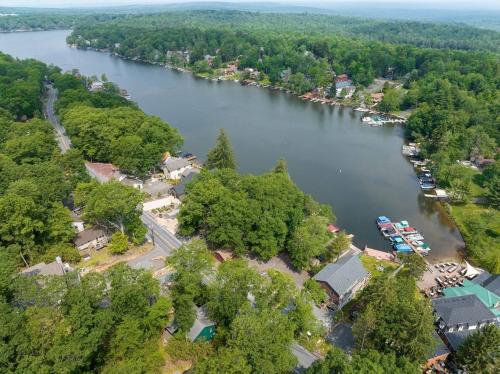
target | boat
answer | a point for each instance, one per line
(388, 231)
(427, 186)
(409, 230)
(383, 220)
(396, 239)
(415, 237)
(403, 248)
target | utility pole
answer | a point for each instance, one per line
(153, 234)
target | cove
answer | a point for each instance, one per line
(331, 154)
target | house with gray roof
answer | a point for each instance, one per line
(180, 189)
(203, 327)
(173, 167)
(54, 268)
(460, 313)
(91, 239)
(341, 280)
(305, 359)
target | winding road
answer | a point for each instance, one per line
(163, 239)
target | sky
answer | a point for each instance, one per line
(477, 4)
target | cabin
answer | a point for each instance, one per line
(173, 167)
(91, 239)
(343, 279)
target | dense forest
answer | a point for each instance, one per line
(106, 127)
(452, 95)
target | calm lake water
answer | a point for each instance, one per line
(331, 154)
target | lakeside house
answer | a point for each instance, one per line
(91, 239)
(54, 268)
(173, 167)
(343, 279)
(180, 189)
(459, 316)
(342, 81)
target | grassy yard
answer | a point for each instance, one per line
(375, 266)
(480, 228)
(102, 259)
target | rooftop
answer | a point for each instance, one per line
(181, 187)
(489, 281)
(461, 310)
(54, 268)
(88, 235)
(344, 274)
(175, 163)
(457, 337)
(489, 299)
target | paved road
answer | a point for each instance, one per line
(163, 238)
(62, 138)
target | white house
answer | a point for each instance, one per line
(173, 167)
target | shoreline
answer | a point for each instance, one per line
(304, 97)
(459, 252)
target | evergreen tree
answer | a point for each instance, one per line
(281, 166)
(221, 156)
(480, 352)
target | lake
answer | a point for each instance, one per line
(331, 154)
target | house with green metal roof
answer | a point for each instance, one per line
(488, 298)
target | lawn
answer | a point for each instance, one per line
(102, 259)
(480, 228)
(375, 266)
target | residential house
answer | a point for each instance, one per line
(342, 81)
(203, 327)
(91, 239)
(461, 313)
(305, 359)
(438, 355)
(209, 59)
(253, 73)
(180, 189)
(54, 268)
(488, 298)
(341, 280)
(77, 222)
(173, 167)
(102, 171)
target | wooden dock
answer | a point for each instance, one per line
(398, 232)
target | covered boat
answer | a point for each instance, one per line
(396, 239)
(382, 219)
(403, 248)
